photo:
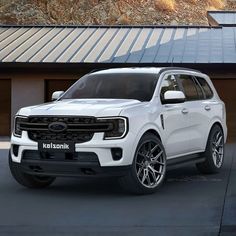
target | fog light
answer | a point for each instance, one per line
(116, 153)
(15, 149)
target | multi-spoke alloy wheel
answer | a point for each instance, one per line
(150, 163)
(214, 154)
(218, 149)
(148, 168)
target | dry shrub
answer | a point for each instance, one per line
(123, 20)
(218, 4)
(165, 5)
(209, 8)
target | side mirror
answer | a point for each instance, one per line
(171, 97)
(56, 95)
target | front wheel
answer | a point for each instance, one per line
(29, 181)
(214, 153)
(148, 167)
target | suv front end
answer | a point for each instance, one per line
(71, 145)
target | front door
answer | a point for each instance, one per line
(175, 121)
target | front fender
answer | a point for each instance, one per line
(142, 131)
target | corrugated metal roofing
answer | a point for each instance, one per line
(222, 18)
(117, 44)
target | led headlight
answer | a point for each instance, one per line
(17, 126)
(119, 127)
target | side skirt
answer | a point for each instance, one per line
(184, 160)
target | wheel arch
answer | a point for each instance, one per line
(214, 123)
(152, 131)
(219, 124)
(149, 128)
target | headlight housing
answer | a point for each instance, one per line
(17, 125)
(119, 127)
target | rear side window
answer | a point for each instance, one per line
(189, 86)
(206, 88)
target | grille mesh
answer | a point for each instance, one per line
(79, 129)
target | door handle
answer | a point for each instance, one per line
(185, 111)
(207, 108)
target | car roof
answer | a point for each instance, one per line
(144, 70)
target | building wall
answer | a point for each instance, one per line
(26, 92)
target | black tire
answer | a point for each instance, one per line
(29, 181)
(150, 166)
(214, 159)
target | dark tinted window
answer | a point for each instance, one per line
(199, 89)
(114, 86)
(168, 84)
(189, 87)
(207, 90)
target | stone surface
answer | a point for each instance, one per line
(93, 12)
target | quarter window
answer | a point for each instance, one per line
(206, 88)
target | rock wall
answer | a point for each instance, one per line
(90, 12)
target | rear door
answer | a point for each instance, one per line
(199, 112)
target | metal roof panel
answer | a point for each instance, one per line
(139, 46)
(113, 46)
(222, 18)
(76, 45)
(17, 39)
(49, 47)
(100, 46)
(63, 45)
(89, 44)
(152, 46)
(25, 45)
(117, 44)
(38, 45)
(124, 50)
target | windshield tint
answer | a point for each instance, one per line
(114, 86)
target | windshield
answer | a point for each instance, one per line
(113, 86)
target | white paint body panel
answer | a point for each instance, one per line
(182, 133)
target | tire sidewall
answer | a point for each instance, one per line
(146, 138)
(208, 152)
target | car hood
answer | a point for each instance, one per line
(83, 107)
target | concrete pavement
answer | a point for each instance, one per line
(188, 204)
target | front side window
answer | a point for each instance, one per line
(137, 86)
(189, 87)
(206, 88)
(169, 84)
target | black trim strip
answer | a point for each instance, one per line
(185, 160)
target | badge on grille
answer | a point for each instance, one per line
(57, 127)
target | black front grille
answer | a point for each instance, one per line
(66, 136)
(79, 157)
(79, 129)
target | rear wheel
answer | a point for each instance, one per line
(29, 181)
(148, 168)
(214, 153)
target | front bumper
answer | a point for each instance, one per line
(71, 169)
(97, 145)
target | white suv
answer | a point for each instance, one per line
(131, 122)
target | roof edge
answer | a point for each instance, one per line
(108, 26)
(222, 11)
